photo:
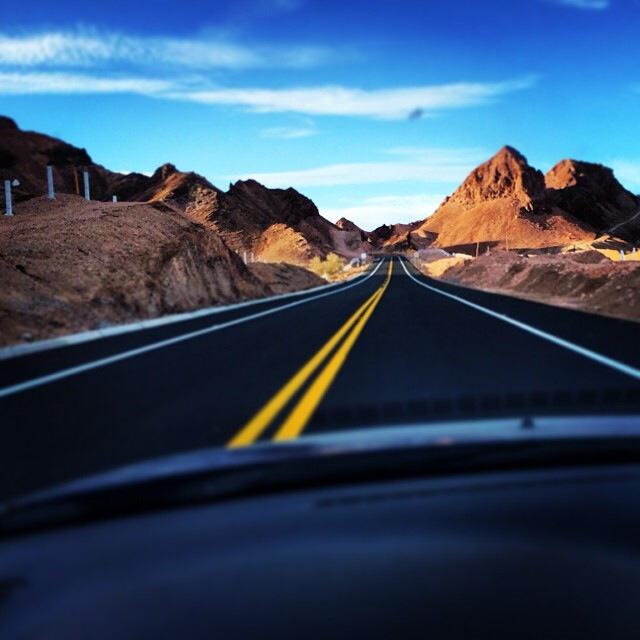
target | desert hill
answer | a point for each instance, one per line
(391, 238)
(70, 265)
(348, 225)
(25, 155)
(271, 224)
(505, 202)
(591, 193)
(169, 244)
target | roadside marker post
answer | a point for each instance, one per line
(87, 194)
(51, 194)
(7, 198)
(114, 198)
(244, 257)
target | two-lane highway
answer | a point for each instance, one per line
(388, 347)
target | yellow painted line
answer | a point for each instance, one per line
(297, 420)
(261, 420)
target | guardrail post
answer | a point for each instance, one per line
(87, 194)
(7, 198)
(50, 191)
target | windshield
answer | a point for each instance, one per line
(255, 223)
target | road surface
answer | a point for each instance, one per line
(389, 347)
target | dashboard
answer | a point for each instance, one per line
(537, 554)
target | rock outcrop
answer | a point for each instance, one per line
(504, 202)
(272, 224)
(591, 193)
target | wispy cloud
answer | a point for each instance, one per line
(13, 83)
(391, 103)
(288, 133)
(92, 48)
(375, 211)
(589, 5)
(430, 166)
(311, 101)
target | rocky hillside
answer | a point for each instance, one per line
(69, 265)
(25, 155)
(591, 193)
(272, 224)
(584, 280)
(391, 238)
(504, 202)
(507, 203)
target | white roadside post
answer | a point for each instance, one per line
(7, 198)
(622, 255)
(114, 198)
(244, 257)
(51, 194)
(87, 194)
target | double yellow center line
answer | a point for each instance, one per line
(301, 413)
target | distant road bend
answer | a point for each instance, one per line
(389, 347)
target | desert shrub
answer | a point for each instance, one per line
(331, 266)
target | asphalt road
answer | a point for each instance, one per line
(383, 349)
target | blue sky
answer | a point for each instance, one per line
(318, 95)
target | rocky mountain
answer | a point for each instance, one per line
(505, 176)
(24, 155)
(348, 225)
(390, 238)
(275, 225)
(591, 193)
(506, 202)
(272, 224)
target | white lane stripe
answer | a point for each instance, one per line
(561, 342)
(102, 362)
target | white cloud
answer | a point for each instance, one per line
(313, 101)
(345, 101)
(376, 211)
(63, 83)
(288, 133)
(91, 48)
(433, 166)
(591, 5)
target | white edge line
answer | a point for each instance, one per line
(124, 355)
(14, 351)
(561, 342)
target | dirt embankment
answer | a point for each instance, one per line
(282, 277)
(587, 280)
(69, 265)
